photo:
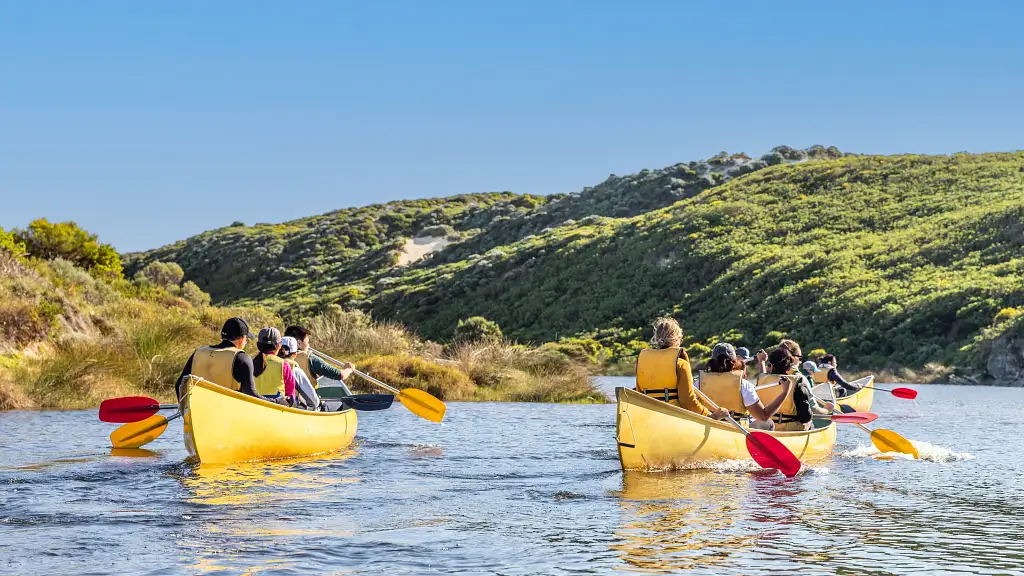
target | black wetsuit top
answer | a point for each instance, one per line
(241, 370)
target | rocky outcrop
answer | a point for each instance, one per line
(1005, 366)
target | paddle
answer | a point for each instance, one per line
(764, 448)
(418, 402)
(363, 402)
(136, 434)
(130, 409)
(884, 440)
(854, 417)
(905, 393)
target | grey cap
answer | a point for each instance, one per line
(289, 345)
(723, 349)
(810, 366)
(744, 354)
(269, 336)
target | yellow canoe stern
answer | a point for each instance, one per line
(223, 426)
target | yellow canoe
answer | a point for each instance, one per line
(860, 400)
(653, 435)
(223, 426)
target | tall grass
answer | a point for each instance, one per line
(445, 382)
(353, 334)
(507, 371)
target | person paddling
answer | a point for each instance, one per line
(307, 394)
(727, 360)
(830, 367)
(225, 364)
(781, 361)
(314, 366)
(274, 378)
(663, 370)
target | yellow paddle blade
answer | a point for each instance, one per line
(422, 404)
(889, 441)
(135, 434)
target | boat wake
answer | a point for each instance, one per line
(741, 466)
(926, 451)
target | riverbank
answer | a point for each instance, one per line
(72, 337)
(143, 346)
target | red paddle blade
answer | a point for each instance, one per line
(128, 409)
(905, 393)
(854, 418)
(768, 452)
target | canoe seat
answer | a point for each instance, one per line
(723, 388)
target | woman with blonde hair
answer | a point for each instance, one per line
(663, 370)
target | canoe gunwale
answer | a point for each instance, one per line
(640, 399)
(206, 384)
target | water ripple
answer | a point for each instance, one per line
(518, 489)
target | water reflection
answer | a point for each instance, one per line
(247, 484)
(236, 509)
(681, 520)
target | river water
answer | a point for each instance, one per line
(518, 489)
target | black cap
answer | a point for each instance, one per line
(234, 329)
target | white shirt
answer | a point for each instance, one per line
(748, 392)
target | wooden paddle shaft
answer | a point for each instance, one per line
(360, 374)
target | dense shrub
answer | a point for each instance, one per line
(477, 329)
(162, 274)
(66, 240)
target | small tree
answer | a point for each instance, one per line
(477, 329)
(66, 240)
(194, 294)
(163, 274)
(11, 244)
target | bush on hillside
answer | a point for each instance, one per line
(194, 295)
(162, 274)
(477, 329)
(46, 240)
(10, 244)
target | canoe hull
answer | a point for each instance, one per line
(653, 435)
(861, 400)
(223, 426)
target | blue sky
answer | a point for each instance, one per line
(148, 122)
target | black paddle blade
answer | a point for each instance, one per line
(369, 402)
(847, 409)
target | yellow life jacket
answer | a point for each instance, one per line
(786, 412)
(657, 374)
(302, 358)
(271, 381)
(723, 388)
(214, 365)
(820, 377)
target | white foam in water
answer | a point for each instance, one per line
(734, 466)
(926, 451)
(934, 453)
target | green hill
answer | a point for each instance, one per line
(902, 261)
